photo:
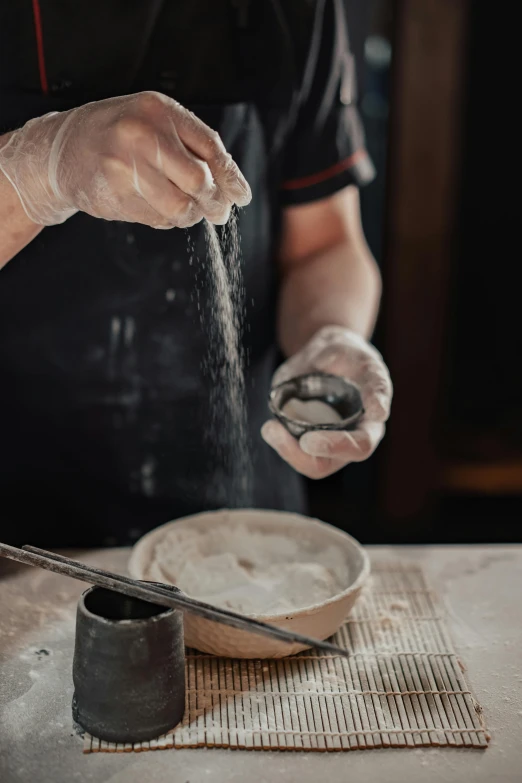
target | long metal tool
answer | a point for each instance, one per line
(156, 594)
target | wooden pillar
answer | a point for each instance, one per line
(428, 84)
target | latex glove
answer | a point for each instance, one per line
(339, 352)
(140, 158)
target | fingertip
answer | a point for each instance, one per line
(281, 375)
(379, 408)
(244, 199)
(315, 444)
(331, 445)
(265, 430)
(219, 219)
(269, 433)
(233, 183)
(290, 450)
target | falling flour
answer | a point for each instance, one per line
(248, 571)
(311, 411)
(226, 362)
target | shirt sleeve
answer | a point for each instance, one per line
(325, 150)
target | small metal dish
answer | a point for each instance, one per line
(342, 396)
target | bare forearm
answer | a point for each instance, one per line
(16, 229)
(339, 286)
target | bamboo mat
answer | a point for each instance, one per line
(403, 686)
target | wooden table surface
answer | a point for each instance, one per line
(481, 587)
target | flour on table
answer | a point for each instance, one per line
(311, 411)
(248, 571)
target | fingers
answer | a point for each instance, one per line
(175, 206)
(355, 446)
(207, 145)
(344, 353)
(340, 352)
(319, 453)
(117, 199)
(289, 369)
(367, 371)
(191, 175)
(288, 448)
(200, 177)
(140, 194)
(360, 363)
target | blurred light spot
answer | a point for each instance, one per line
(377, 51)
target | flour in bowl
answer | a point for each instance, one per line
(311, 411)
(247, 571)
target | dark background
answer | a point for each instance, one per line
(437, 93)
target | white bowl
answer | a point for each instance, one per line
(316, 538)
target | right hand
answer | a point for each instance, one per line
(139, 158)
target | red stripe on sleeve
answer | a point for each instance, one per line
(40, 46)
(322, 176)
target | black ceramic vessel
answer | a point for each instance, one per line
(128, 668)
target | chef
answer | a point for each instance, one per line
(122, 127)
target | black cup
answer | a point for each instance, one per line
(128, 667)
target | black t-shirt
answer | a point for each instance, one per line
(104, 400)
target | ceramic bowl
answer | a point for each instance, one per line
(317, 538)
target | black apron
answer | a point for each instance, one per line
(104, 404)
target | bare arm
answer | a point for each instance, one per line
(16, 229)
(329, 276)
(330, 295)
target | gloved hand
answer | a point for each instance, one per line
(140, 158)
(339, 352)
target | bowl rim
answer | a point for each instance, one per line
(146, 542)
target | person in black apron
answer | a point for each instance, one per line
(104, 397)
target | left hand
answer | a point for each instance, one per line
(340, 352)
